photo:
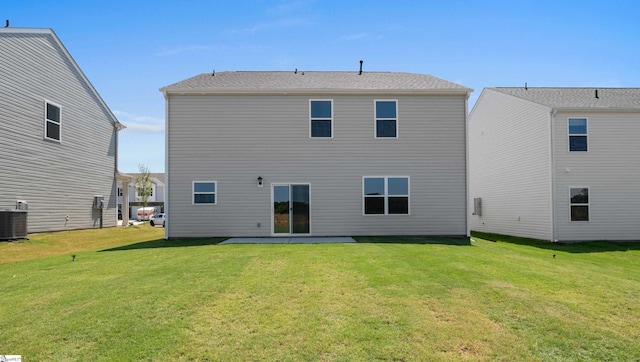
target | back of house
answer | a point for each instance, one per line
(315, 153)
(58, 138)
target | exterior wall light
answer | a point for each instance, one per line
(259, 181)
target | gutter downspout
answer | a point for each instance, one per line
(167, 184)
(115, 174)
(117, 126)
(552, 115)
(466, 146)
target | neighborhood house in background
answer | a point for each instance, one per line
(316, 153)
(58, 139)
(156, 198)
(559, 164)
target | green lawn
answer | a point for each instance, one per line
(404, 298)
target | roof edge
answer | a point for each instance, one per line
(596, 110)
(26, 30)
(453, 91)
(48, 31)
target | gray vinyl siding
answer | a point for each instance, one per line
(235, 139)
(56, 179)
(510, 166)
(611, 170)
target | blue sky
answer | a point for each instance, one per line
(130, 49)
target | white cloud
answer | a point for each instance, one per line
(355, 36)
(286, 8)
(610, 83)
(166, 51)
(140, 123)
(278, 24)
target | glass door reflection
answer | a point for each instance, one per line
(291, 209)
(281, 215)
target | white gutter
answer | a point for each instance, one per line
(466, 146)
(552, 162)
(167, 214)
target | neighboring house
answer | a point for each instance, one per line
(559, 164)
(316, 153)
(156, 199)
(58, 139)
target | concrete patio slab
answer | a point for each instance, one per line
(299, 240)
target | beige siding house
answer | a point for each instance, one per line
(58, 139)
(315, 153)
(559, 164)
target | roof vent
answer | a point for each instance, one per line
(597, 94)
(295, 71)
(525, 86)
(360, 67)
(7, 25)
(213, 73)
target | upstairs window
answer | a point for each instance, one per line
(52, 122)
(386, 119)
(578, 135)
(204, 192)
(321, 118)
(580, 204)
(386, 195)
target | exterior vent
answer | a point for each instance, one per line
(22, 205)
(477, 206)
(13, 224)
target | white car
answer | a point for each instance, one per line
(157, 219)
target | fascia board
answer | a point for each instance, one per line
(598, 110)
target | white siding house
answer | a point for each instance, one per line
(58, 139)
(558, 164)
(156, 199)
(316, 153)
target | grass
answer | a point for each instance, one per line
(386, 298)
(60, 243)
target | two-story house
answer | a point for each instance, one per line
(558, 164)
(58, 138)
(315, 153)
(156, 199)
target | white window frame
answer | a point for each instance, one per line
(588, 204)
(386, 196)
(215, 193)
(375, 118)
(311, 119)
(47, 121)
(569, 134)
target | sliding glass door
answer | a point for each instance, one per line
(291, 209)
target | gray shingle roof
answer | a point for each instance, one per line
(314, 82)
(578, 98)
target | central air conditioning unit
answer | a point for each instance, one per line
(13, 224)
